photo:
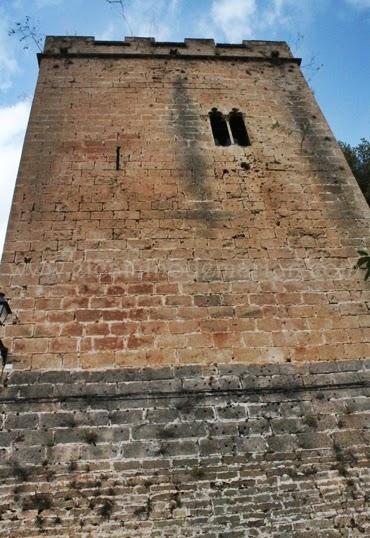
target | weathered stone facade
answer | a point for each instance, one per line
(161, 285)
(190, 252)
(232, 451)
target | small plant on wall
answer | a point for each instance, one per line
(364, 263)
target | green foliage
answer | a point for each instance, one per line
(198, 473)
(311, 421)
(91, 437)
(38, 501)
(20, 472)
(364, 263)
(106, 509)
(358, 158)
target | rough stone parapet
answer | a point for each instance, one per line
(66, 46)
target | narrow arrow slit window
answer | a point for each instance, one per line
(118, 158)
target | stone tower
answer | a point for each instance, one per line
(189, 346)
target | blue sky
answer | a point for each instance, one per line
(331, 33)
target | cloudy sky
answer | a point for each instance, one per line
(331, 33)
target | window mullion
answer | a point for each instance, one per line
(229, 130)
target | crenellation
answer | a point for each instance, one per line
(64, 46)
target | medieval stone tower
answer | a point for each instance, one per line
(189, 340)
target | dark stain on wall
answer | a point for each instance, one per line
(189, 131)
(317, 145)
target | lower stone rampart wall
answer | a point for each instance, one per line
(242, 451)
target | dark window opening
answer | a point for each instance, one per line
(238, 129)
(118, 158)
(219, 128)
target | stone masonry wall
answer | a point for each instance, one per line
(274, 451)
(189, 253)
(142, 295)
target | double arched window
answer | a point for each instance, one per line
(229, 129)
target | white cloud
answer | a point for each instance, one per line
(8, 63)
(234, 17)
(13, 122)
(362, 4)
(231, 20)
(236, 20)
(108, 34)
